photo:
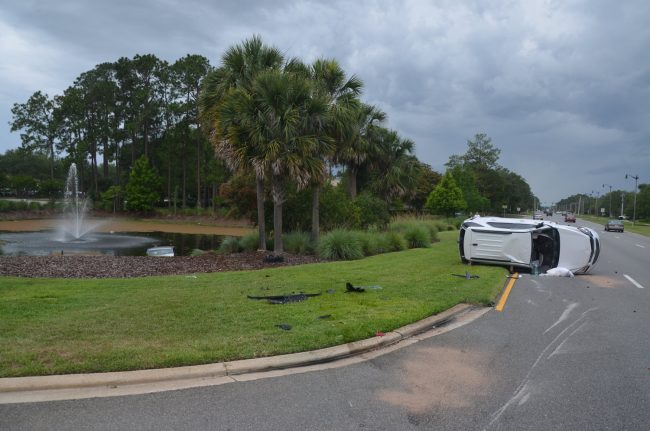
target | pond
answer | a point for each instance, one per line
(44, 243)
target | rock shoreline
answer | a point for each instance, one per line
(138, 266)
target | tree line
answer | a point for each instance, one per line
(614, 203)
(260, 135)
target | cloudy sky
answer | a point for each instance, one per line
(561, 86)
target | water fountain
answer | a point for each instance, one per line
(74, 225)
(75, 234)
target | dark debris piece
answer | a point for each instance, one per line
(273, 258)
(467, 275)
(325, 316)
(284, 299)
(350, 288)
(284, 326)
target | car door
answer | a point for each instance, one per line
(498, 246)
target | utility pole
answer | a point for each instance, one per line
(636, 179)
(622, 199)
(610, 197)
(579, 202)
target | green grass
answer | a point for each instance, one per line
(641, 228)
(54, 326)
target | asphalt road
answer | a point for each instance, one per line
(564, 354)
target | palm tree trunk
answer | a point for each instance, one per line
(278, 199)
(315, 213)
(353, 182)
(261, 224)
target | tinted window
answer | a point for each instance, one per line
(502, 225)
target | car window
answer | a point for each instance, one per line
(502, 225)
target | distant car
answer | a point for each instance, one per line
(538, 215)
(616, 225)
(569, 218)
(164, 251)
(622, 217)
(528, 244)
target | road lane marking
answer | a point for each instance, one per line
(633, 281)
(639, 245)
(504, 297)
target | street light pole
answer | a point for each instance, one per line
(636, 179)
(610, 197)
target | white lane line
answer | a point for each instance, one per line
(633, 281)
(639, 245)
(617, 237)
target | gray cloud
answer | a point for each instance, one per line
(557, 85)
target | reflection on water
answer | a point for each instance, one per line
(116, 244)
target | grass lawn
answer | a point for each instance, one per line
(640, 228)
(55, 326)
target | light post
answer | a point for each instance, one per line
(610, 197)
(636, 180)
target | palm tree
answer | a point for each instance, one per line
(357, 143)
(394, 166)
(285, 119)
(341, 95)
(240, 66)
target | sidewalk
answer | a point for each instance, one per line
(76, 386)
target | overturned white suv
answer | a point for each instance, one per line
(530, 244)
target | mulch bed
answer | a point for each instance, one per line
(138, 266)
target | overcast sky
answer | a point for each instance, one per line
(562, 87)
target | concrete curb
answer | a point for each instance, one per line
(224, 369)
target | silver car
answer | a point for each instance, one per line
(529, 244)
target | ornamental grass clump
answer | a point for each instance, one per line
(393, 241)
(230, 244)
(417, 237)
(298, 243)
(372, 243)
(249, 242)
(340, 244)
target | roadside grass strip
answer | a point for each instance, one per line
(61, 326)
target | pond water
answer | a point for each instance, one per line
(45, 243)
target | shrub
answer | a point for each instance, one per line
(197, 252)
(441, 225)
(371, 243)
(249, 242)
(298, 243)
(340, 244)
(372, 211)
(394, 241)
(230, 244)
(417, 237)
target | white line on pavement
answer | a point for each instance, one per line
(639, 245)
(633, 281)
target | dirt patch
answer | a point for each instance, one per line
(439, 377)
(606, 281)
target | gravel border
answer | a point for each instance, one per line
(138, 266)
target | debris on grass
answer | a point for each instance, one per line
(284, 299)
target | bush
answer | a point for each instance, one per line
(230, 244)
(340, 244)
(417, 237)
(372, 211)
(371, 243)
(394, 241)
(249, 242)
(298, 243)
